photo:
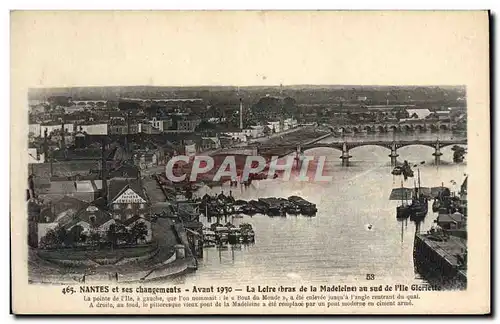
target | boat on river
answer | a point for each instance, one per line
(258, 206)
(273, 206)
(247, 232)
(306, 207)
(209, 238)
(420, 203)
(404, 210)
(234, 235)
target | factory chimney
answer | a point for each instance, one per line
(241, 114)
(104, 173)
(45, 145)
(63, 141)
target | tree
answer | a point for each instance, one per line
(62, 235)
(95, 238)
(122, 233)
(74, 235)
(50, 239)
(138, 232)
(111, 235)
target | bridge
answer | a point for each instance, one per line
(401, 126)
(345, 146)
(89, 102)
(163, 100)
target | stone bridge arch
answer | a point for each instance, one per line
(420, 128)
(369, 129)
(393, 128)
(356, 129)
(407, 128)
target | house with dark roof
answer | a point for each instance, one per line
(89, 219)
(66, 207)
(125, 171)
(85, 190)
(127, 198)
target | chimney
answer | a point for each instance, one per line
(241, 114)
(45, 146)
(128, 132)
(104, 173)
(63, 142)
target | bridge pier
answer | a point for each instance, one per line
(437, 153)
(394, 155)
(345, 155)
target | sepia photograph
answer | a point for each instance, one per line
(275, 188)
(103, 203)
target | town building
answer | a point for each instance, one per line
(35, 130)
(210, 143)
(55, 126)
(161, 123)
(418, 113)
(84, 221)
(274, 126)
(188, 124)
(93, 128)
(289, 123)
(237, 135)
(127, 198)
(84, 190)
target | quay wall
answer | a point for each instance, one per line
(429, 261)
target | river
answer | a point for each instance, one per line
(336, 246)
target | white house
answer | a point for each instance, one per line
(53, 127)
(258, 131)
(289, 123)
(161, 124)
(35, 129)
(274, 126)
(238, 136)
(94, 129)
(420, 113)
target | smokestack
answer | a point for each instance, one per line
(45, 146)
(128, 132)
(63, 142)
(241, 114)
(104, 173)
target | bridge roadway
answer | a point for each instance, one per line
(353, 144)
(345, 146)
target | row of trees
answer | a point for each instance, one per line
(117, 234)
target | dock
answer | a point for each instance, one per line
(443, 256)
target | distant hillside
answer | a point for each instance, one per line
(302, 94)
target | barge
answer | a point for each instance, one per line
(306, 208)
(273, 206)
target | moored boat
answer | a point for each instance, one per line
(306, 207)
(404, 210)
(420, 203)
(234, 235)
(247, 233)
(273, 206)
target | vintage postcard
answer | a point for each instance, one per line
(250, 162)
